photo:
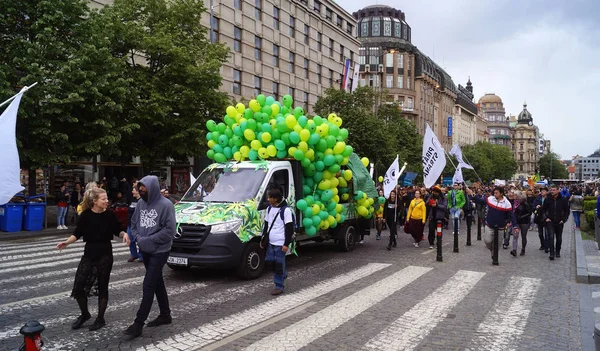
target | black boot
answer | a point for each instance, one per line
(513, 252)
(85, 314)
(522, 252)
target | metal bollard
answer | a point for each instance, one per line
(455, 235)
(32, 333)
(439, 257)
(495, 245)
(478, 228)
(469, 222)
(597, 337)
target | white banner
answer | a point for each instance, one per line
(391, 178)
(457, 152)
(192, 179)
(355, 78)
(10, 168)
(458, 177)
(434, 159)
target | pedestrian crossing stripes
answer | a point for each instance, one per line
(58, 255)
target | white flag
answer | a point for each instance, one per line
(457, 152)
(192, 179)
(434, 159)
(391, 178)
(10, 168)
(355, 77)
(458, 177)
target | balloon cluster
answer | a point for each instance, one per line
(268, 129)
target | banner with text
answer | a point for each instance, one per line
(434, 159)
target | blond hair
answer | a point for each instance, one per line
(91, 185)
(90, 196)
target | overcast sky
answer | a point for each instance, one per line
(545, 52)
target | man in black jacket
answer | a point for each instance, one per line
(556, 213)
(438, 204)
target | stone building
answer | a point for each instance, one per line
(497, 123)
(525, 141)
(281, 47)
(389, 61)
(465, 117)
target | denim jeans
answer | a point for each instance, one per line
(577, 218)
(276, 257)
(455, 217)
(132, 246)
(62, 213)
(153, 285)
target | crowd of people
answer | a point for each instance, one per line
(513, 210)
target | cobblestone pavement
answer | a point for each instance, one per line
(368, 299)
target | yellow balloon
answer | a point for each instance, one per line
(304, 135)
(365, 161)
(338, 217)
(237, 118)
(266, 137)
(328, 152)
(345, 197)
(231, 111)
(211, 144)
(255, 144)
(331, 118)
(245, 150)
(274, 110)
(342, 182)
(303, 146)
(331, 220)
(336, 199)
(334, 183)
(237, 156)
(338, 122)
(310, 154)
(380, 179)
(291, 151)
(254, 105)
(324, 130)
(262, 152)
(324, 225)
(324, 184)
(339, 147)
(316, 208)
(240, 108)
(297, 128)
(339, 208)
(290, 122)
(347, 174)
(327, 174)
(345, 161)
(271, 150)
(249, 135)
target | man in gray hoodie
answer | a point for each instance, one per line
(153, 227)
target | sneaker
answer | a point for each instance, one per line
(378, 236)
(65, 227)
(557, 255)
(276, 292)
(361, 242)
(98, 323)
(513, 252)
(80, 320)
(160, 320)
(551, 258)
(141, 260)
(131, 259)
(430, 247)
(59, 227)
(134, 330)
(505, 247)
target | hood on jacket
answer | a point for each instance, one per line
(152, 187)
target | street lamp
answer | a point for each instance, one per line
(377, 94)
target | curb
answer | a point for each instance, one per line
(30, 235)
(583, 274)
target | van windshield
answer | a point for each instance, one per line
(218, 186)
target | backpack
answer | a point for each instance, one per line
(281, 214)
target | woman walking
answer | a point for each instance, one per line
(576, 202)
(97, 227)
(62, 203)
(390, 209)
(416, 218)
(522, 214)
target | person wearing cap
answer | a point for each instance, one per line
(438, 204)
(538, 218)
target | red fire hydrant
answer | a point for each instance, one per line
(32, 332)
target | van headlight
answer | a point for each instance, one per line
(225, 227)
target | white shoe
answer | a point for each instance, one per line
(65, 227)
(59, 227)
(431, 247)
(361, 242)
(416, 244)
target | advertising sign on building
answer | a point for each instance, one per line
(450, 126)
(541, 147)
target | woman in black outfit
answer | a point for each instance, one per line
(390, 218)
(97, 227)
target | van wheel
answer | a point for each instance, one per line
(178, 268)
(253, 262)
(346, 238)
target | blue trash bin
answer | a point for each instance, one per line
(33, 216)
(11, 217)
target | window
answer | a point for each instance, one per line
(349, 28)
(373, 56)
(342, 49)
(400, 82)
(409, 103)
(330, 78)
(408, 83)
(275, 55)
(331, 43)
(215, 30)
(387, 26)
(363, 82)
(389, 81)
(317, 6)
(375, 27)
(257, 85)
(319, 73)
(364, 28)
(291, 92)
(362, 58)
(292, 27)
(258, 48)
(400, 61)
(237, 39)
(292, 65)
(276, 18)
(521, 157)
(306, 33)
(319, 41)
(328, 13)
(276, 90)
(305, 97)
(258, 9)
(389, 60)
(521, 168)
(521, 146)
(237, 4)
(237, 82)
(305, 68)
(339, 21)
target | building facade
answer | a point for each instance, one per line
(525, 141)
(465, 117)
(281, 47)
(588, 168)
(497, 123)
(389, 61)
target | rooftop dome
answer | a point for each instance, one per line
(382, 23)
(525, 116)
(490, 97)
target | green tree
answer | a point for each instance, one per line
(489, 160)
(74, 109)
(552, 168)
(379, 139)
(176, 74)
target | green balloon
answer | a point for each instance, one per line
(344, 133)
(227, 152)
(221, 127)
(359, 195)
(237, 130)
(308, 212)
(229, 121)
(267, 110)
(331, 205)
(334, 168)
(305, 162)
(338, 159)
(210, 154)
(310, 231)
(318, 120)
(319, 156)
(334, 130)
(282, 154)
(252, 124)
(347, 151)
(322, 145)
(309, 181)
(298, 111)
(286, 138)
(318, 176)
(219, 157)
(253, 155)
(270, 100)
(314, 139)
(320, 166)
(211, 125)
(280, 145)
(306, 190)
(285, 110)
(307, 222)
(299, 155)
(287, 101)
(316, 219)
(261, 99)
(302, 120)
(294, 138)
(266, 127)
(209, 136)
(329, 160)
(301, 204)
(330, 141)
(281, 126)
(311, 169)
(381, 200)
(223, 140)
(327, 195)
(323, 215)
(248, 113)
(311, 126)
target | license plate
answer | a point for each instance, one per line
(178, 260)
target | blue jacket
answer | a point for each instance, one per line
(565, 193)
(499, 212)
(598, 207)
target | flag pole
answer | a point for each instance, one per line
(23, 90)
(481, 181)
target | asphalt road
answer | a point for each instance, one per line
(368, 299)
